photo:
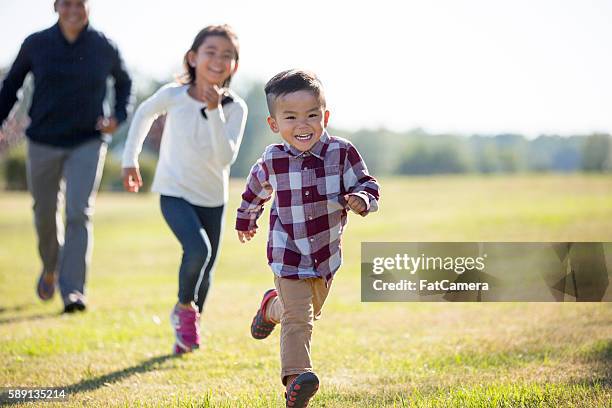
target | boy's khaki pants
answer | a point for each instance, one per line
(297, 306)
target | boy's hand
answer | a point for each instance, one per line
(355, 203)
(131, 179)
(242, 235)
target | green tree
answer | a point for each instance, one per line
(257, 134)
(440, 158)
(596, 153)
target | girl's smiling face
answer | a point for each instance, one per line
(214, 61)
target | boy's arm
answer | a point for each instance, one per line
(358, 182)
(258, 191)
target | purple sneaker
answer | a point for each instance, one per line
(186, 324)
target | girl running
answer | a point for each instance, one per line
(203, 129)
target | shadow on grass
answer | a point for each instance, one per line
(116, 376)
(19, 319)
(604, 381)
(601, 354)
(603, 351)
(92, 384)
(16, 308)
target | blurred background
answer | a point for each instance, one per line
(484, 121)
(436, 87)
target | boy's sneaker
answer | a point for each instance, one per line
(301, 390)
(261, 327)
(186, 324)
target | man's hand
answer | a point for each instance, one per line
(242, 235)
(131, 179)
(107, 125)
(356, 203)
(4, 129)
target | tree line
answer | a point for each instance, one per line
(413, 152)
(418, 152)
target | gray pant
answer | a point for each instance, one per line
(70, 176)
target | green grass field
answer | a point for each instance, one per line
(367, 355)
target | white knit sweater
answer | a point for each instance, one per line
(195, 153)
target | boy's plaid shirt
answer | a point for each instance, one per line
(309, 211)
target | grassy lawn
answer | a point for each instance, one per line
(366, 354)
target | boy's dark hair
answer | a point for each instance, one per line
(293, 80)
(223, 30)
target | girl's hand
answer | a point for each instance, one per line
(355, 203)
(211, 94)
(242, 235)
(131, 179)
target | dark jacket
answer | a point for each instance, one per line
(70, 81)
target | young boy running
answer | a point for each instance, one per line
(315, 179)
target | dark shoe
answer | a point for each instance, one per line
(261, 327)
(74, 307)
(301, 390)
(45, 290)
(76, 303)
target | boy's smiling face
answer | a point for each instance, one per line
(300, 118)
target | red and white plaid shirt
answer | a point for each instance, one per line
(309, 211)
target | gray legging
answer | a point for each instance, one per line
(198, 229)
(65, 249)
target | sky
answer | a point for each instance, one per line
(458, 66)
